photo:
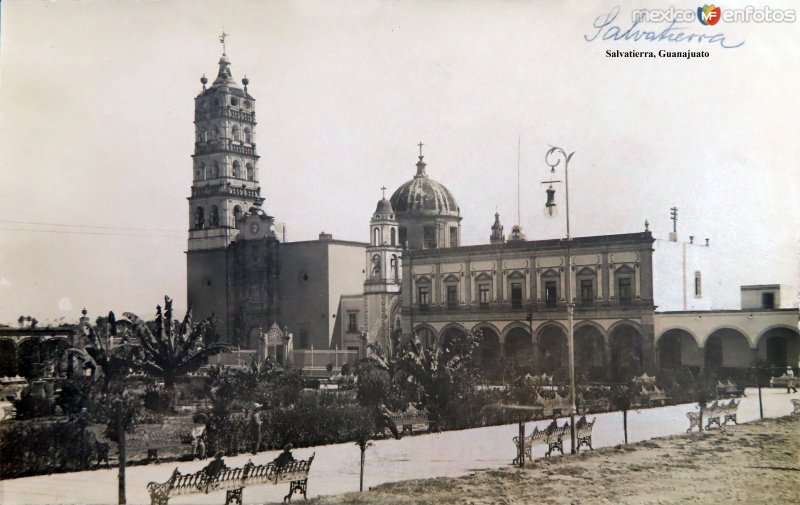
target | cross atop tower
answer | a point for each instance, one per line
(420, 148)
(383, 192)
(222, 40)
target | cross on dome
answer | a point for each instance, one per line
(222, 40)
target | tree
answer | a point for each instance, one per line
(441, 375)
(622, 397)
(114, 362)
(171, 348)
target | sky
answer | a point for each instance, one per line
(96, 132)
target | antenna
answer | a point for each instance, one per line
(519, 149)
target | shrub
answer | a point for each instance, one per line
(30, 406)
(307, 424)
(42, 447)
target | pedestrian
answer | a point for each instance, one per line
(255, 430)
(216, 465)
(383, 419)
(284, 458)
(790, 382)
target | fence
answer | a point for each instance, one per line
(319, 359)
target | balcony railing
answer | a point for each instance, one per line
(217, 112)
(223, 145)
(226, 190)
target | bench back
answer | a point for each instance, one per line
(231, 478)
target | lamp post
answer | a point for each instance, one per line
(553, 158)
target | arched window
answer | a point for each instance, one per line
(203, 135)
(215, 170)
(236, 132)
(395, 268)
(251, 173)
(376, 236)
(393, 237)
(199, 218)
(248, 135)
(237, 169)
(237, 214)
(214, 219)
(376, 266)
(200, 173)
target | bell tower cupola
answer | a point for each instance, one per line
(225, 164)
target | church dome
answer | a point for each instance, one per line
(424, 196)
(384, 208)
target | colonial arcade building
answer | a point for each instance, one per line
(514, 294)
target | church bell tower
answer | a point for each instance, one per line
(224, 188)
(383, 274)
(225, 183)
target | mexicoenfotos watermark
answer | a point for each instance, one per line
(711, 15)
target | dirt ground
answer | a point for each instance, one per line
(755, 463)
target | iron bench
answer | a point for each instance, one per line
(729, 389)
(713, 413)
(553, 406)
(720, 413)
(695, 421)
(583, 433)
(233, 480)
(155, 437)
(729, 411)
(781, 382)
(653, 396)
(551, 436)
(405, 421)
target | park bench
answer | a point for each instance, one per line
(553, 406)
(796, 405)
(729, 389)
(233, 480)
(780, 382)
(406, 421)
(695, 421)
(152, 438)
(652, 395)
(583, 433)
(551, 436)
(720, 413)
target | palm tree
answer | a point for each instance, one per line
(113, 361)
(440, 374)
(171, 348)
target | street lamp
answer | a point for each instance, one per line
(553, 158)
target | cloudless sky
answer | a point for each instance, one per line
(96, 131)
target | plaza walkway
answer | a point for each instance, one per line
(336, 467)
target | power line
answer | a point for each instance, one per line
(75, 232)
(90, 226)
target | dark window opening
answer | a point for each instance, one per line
(452, 296)
(767, 300)
(698, 285)
(424, 297)
(516, 295)
(352, 322)
(550, 294)
(402, 235)
(587, 292)
(453, 236)
(429, 237)
(483, 296)
(624, 291)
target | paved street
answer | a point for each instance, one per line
(335, 468)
